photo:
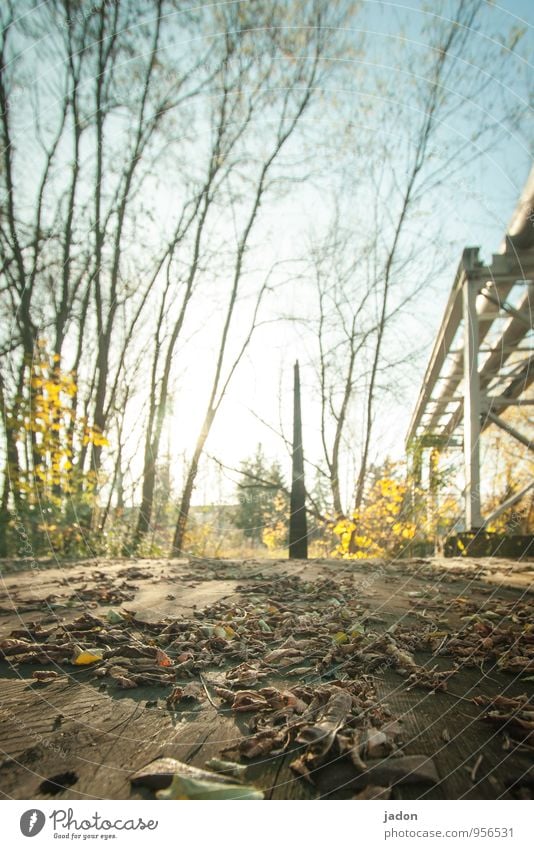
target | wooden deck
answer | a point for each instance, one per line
(82, 735)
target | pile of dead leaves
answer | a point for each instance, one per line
(314, 635)
(339, 733)
(515, 716)
(502, 636)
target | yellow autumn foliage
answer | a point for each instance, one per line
(379, 527)
(48, 431)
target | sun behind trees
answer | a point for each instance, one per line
(204, 194)
(266, 481)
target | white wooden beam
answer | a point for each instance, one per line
(473, 517)
(509, 502)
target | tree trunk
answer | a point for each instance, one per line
(185, 502)
(298, 524)
(147, 498)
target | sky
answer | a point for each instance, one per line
(472, 208)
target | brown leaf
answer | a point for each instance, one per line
(162, 659)
(45, 676)
(248, 700)
(376, 744)
(226, 695)
(125, 683)
(282, 699)
(184, 656)
(9, 647)
(128, 650)
(263, 743)
(321, 735)
(282, 654)
(300, 767)
(246, 674)
(189, 693)
(408, 769)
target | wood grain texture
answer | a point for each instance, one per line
(75, 725)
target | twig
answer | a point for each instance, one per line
(462, 698)
(474, 771)
(210, 700)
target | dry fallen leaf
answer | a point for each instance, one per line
(408, 769)
(163, 659)
(320, 736)
(190, 693)
(45, 676)
(228, 768)
(247, 700)
(160, 773)
(83, 657)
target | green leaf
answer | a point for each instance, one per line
(191, 788)
(114, 617)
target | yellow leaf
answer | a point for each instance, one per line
(344, 526)
(84, 658)
(341, 637)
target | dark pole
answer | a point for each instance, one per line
(298, 525)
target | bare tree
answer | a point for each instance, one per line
(297, 96)
(364, 262)
(104, 287)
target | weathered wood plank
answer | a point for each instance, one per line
(99, 736)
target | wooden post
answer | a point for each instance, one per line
(298, 525)
(473, 517)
